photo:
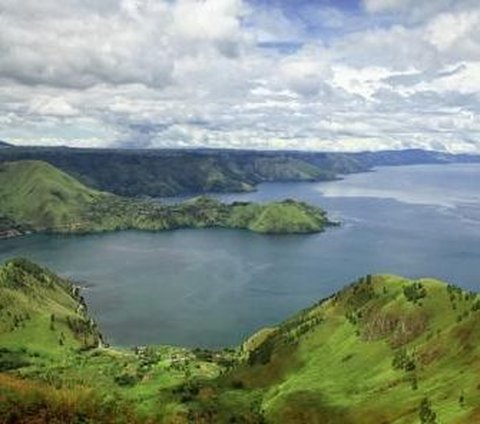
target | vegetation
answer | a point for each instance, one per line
(37, 196)
(167, 172)
(366, 354)
(9, 228)
(157, 173)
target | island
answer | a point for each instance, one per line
(35, 196)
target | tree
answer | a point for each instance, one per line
(426, 414)
(52, 322)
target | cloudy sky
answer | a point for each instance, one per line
(275, 74)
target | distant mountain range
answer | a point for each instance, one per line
(4, 144)
(171, 172)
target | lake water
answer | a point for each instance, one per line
(213, 288)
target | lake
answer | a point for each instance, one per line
(213, 288)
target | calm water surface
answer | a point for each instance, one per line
(215, 287)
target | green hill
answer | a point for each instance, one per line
(373, 353)
(40, 196)
(283, 217)
(35, 195)
(42, 311)
(383, 350)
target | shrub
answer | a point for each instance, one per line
(414, 292)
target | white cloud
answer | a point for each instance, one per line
(382, 5)
(155, 73)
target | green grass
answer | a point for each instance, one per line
(41, 311)
(38, 195)
(342, 367)
(368, 354)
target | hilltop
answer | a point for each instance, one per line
(385, 349)
(35, 195)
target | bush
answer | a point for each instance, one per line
(426, 414)
(414, 292)
(126, 380)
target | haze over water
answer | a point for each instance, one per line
(213, 288)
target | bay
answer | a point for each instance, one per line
(212, 288)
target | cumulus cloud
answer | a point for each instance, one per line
(237, 73)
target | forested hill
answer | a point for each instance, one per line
(171, 172)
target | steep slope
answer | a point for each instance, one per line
(38, 195)
(384, 350)
(42, 311)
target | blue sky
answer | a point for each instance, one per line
(261, 74)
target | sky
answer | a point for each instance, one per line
(336, 75)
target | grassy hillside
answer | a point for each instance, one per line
(42, 311)
(283, 217)
(38, 195)
(373, 353)
(35, 195)
(383, 350)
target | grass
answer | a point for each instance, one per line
(342, 368)
(38, 195)
(370, 353)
